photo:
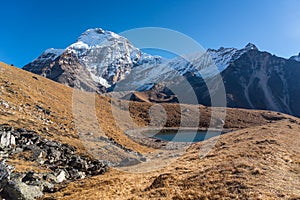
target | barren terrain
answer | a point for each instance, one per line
(259, 159)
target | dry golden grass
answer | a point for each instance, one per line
(26, 166)
(259, 160)
(24, 91)
(254, 163)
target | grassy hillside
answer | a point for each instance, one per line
(260, 159)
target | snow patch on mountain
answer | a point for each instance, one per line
(99, 79)
(108, 56)
(50, 54)
(202, 64)
(95, 38)
(223, 57)
(296, 58)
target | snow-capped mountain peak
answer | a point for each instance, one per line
(95, 37)
(106, 55)
(223, 57)
(51, 54)
(296, 58)
(105, 58)
(250, 46)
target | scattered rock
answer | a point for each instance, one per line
(60, 158)
(267, 142)
(46, 111)
(62, 176)
(90, 133)
(273, 117)
(4, 104)
(161, 181)
(34, 77)
(14, 188)
(50, 178)
(7, 139)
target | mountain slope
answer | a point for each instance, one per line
(296, 58)
(97, 60)
(246, 163)
(254, 163)
(259, 80)
(102, 61)
(253, 79)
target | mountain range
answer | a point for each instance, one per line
(102, 61)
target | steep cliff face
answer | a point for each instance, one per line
(262, 81)
(96, 61)
(99, 59)
(66, 69)
(102, 61)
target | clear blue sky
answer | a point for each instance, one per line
(29, 27)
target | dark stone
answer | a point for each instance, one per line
(20, 130)
(78, 163)
(36, 151)
(46, 111)
(31, 178)
(60, 158)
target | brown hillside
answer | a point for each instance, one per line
(258, 160)
(254, 163)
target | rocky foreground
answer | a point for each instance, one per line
(59, 161)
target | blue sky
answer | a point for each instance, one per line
(29, 27)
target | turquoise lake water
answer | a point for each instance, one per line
(182, 135)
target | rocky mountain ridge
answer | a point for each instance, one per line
(259, 80)
(96, 61)
(103, 58)
(102, 61)
(296, 58)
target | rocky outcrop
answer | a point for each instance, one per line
(259, 80)
(102, 61)
(62, 161)
(66, 69)
(253, 79)
(95, 62)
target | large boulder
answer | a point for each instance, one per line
(7, 139)
(12, 187)
(15, 189)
